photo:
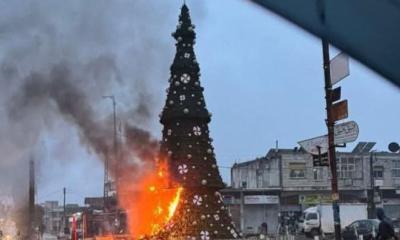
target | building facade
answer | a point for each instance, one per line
(285, 181)
(53, 217)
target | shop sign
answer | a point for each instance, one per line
(314, 199)
(261, 199)
(228, 199)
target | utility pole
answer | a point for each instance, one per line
(371, 207)
(330, 123)
(64, 211)
(115, 150)
(241, 209)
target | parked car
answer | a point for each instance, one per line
(368, 228)
(396, 226)
(300, 225)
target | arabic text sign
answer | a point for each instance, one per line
(315, 199)
(346, 132)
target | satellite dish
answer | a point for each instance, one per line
(394, 147)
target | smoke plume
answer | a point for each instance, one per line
(57, 60)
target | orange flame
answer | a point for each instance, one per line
(149, 203)
(174, 204)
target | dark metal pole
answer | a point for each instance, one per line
(372, 191)
(106, 164)
(241, 210)
(64, 212)
(105, 191)
(116, 152)
(330, 123)
(31, 197)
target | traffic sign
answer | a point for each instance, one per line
(335, 196)
(339, 110)
(344, 133)
(339, 67)
(320, 160)
(335, 94)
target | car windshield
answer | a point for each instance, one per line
(396, 223)
(311, 216)
(364, 225)
(375, 223)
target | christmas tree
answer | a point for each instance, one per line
(187, 146)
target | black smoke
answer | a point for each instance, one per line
(57, 60)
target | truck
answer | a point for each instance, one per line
(319, 219)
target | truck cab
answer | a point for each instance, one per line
(312, 222)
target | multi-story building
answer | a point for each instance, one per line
(53, 218)
(285, 180)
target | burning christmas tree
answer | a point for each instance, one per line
(187, 146)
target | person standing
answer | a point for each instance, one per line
(385, 229)
(263, 230)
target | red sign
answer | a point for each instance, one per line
(339, 110)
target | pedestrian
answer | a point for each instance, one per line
(263, 229)
(385, 229)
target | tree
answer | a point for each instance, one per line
(188, 148)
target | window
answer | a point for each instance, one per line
(349, 167)
(346, 167)
(396, 168)
(378, 171)
(363, 225)
(297, 170)
(311, 216)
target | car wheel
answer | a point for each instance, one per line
(314, 232)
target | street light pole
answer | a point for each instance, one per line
(330, 123)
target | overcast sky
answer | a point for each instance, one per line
(263, 83)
